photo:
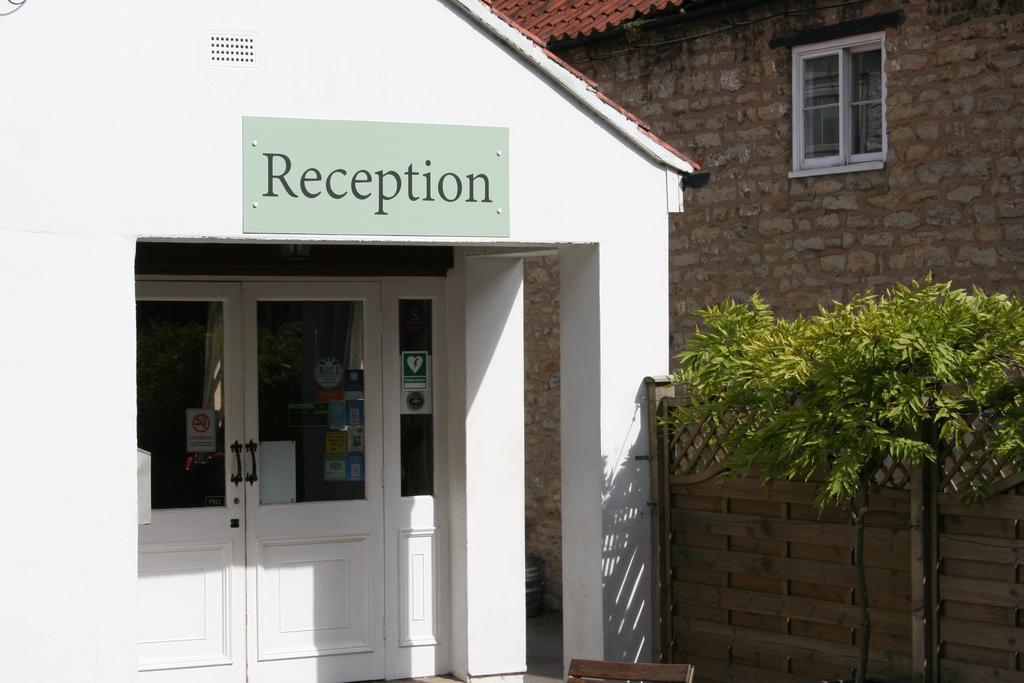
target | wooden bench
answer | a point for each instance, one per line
(584, 670)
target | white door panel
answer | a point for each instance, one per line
(191, 577)
(418, 588)
(315, 566)
(188, 586)
(417, 551)
(314, 597)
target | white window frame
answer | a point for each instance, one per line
(845, 161)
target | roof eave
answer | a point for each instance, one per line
(577, 85)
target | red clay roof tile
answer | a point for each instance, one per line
(552, 20)
(540, 42)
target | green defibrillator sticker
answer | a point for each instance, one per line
(415, 370)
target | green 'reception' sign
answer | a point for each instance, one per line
(307, 176)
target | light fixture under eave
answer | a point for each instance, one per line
(696, 180)
(296, 252)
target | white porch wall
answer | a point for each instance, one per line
(582, 481)
(614, 328)
(634, 344)
(117, 129)
(67, 412)
(487, 524)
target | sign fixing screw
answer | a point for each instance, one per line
(499, 152)
(254, 143)
(255, 205)
(499, 210)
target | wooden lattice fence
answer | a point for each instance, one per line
(758, 585)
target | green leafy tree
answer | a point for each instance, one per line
(913, 375)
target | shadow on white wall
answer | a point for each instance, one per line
(626, 551)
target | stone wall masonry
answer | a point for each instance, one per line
(950, 199)
(543, 396)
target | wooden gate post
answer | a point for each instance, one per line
(655, 389)
(923, 561)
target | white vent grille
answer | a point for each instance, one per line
(232, 49)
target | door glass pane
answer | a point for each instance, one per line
(310, 366)
(417, 421)
(180, 385)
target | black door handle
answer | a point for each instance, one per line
(236, 448)
(252, 477)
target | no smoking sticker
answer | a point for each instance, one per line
(200, 430)
(201, 423)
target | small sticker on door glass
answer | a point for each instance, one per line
(354, 412)
(356, 471)
(353, 380)
(415, 401)
(200, 430)
(355, 439)
(328, 373)
(415, 370)
(335, 468)
(336, 443)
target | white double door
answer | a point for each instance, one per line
(268, 566)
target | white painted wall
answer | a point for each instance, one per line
(579, 274)
(493, 540)
(634, 344)
(613, 325)
(67, 413)
(115, 128)
(120, 127)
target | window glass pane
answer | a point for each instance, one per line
(310, 356)
(866, 76)
(415, 326)
(821, 132)
(867, 128)
(821, 81)
(180, 385)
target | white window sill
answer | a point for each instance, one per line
(830, 170)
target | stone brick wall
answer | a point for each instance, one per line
(950, 199)
(543, 462)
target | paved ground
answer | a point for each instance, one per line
(544, 648)
(543, 652)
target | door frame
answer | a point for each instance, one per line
(401, 660)
(416, 519)
(210, 536)
(303, 524)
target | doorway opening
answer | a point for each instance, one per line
(543, 470)
(296, 427)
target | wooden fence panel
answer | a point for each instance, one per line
(757, 584)
(758, 587)
(980, 552)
